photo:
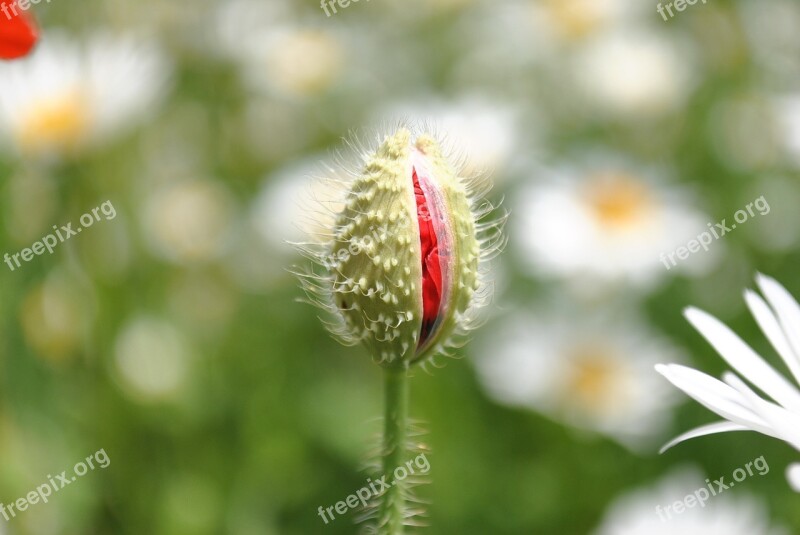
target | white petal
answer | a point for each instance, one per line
(743, 359)
(772, 329)
(793, 476)
(710, 429)
(786, 425)
(715, 396)
(788, 312)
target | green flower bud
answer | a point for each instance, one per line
(402, 262)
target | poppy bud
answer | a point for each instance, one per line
(403, 257)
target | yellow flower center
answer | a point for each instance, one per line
(306, 62)
(51, 321)
(618, 201)
(59, 123)
(594, 380)
(575, 19)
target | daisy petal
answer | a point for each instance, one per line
(714, 395)
(743, 359)
(710, 429)
(772, 329)
(788, 312)
(786, 425)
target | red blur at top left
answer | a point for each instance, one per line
(18, 31)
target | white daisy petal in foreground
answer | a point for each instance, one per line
(69, 96)
(636, 514)
(589, 372)
(778, 316)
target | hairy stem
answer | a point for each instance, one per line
(394, 450)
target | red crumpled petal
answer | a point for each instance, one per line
(431, 268)
(18, 31)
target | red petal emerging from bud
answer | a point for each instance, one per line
(431, 267)
(18, 33)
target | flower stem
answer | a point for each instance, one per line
(394, 450)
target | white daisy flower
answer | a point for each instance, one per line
(741, 407)
(771, 31)
(56, 316)
(592, 373)
(786, 111)
(286, 210)
(608, 221)
(288, 207)
(189, 221)
(633, 73)
(236, 20)
(574, 20)
(152, 359)
(276, 55)
(636, 512)
(296, 61)
(69, 96)
(522, 36)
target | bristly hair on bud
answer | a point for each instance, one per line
(402, 266)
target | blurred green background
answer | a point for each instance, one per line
(170, 335)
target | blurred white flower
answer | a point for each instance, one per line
(151, 359)
(188, 221)
(635, 512)
(505, 44)
(69, 96)
(56, 316)
(289, 209)
(286, 210)
(606, 221)
(278, 55)
(592, 373)
(296, 61)
(573, 20)
(786, 111)
(771, 29)
(633, 73)
(741, 407)
(237, 19)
